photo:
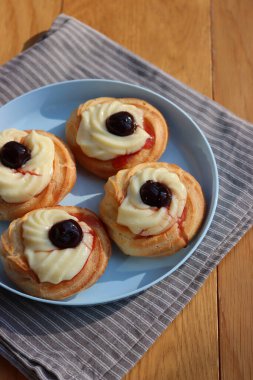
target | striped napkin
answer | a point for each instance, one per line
(104, 342)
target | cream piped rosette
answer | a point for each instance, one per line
(50, 263)
(11, 134)
(94, 138)
(143, 219)
(17, 186)
(142, 230)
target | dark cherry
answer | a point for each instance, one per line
(155, 194)
(121, 124)
(66, 234)
(14, 155)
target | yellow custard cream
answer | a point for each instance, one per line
(50, 263)
(36, 173)
(145, 220)
(94, 139)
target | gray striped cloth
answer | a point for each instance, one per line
(104, 342)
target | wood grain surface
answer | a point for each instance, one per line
(206, 44)
(233, 87)
(22, 20)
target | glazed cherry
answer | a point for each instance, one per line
(155, 194)
(14, 155)
(66, 234)
(121, 124)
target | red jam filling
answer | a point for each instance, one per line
(121, 161)
(92, 222)
(180, 227)
(24, 172)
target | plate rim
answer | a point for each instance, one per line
(203, 233)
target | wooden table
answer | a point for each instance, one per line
(208, 45)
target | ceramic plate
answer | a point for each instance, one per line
(48, 108)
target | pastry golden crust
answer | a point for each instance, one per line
(61, 183)
(156, 126)
(18, 270)
(167, 242)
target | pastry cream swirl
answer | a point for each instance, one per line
(94, 139)
(145, 220)
(36, 174)
(47, 261)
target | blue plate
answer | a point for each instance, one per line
(48, 108)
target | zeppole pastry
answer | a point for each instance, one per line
(55, 252)
(109, 134)
(36, 170)
(153, 209)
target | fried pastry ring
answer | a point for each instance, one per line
(18, 270)
(60, 184)
(154, 124)
(181, 229)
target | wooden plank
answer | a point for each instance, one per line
(173, 35)
(233, 87)
(176, 37)
(8, 372)
(21, 20)
(188, 348)
(235, 279)
(233, 55)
